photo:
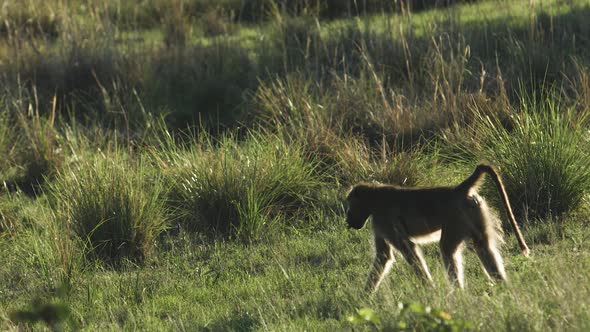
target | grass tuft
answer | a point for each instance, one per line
(542, 153)
(240, 190)
(113, 204)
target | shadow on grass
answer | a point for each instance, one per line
(239, 322)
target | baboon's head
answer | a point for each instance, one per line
(358, 211)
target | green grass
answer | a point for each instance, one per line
(541, 143)
(288, 284)
(116, 206)
(240, 189)
(182, 165)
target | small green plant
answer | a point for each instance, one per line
(46, 247)
(417, 317)
(201, 84)
(363, 315)
(114, 204)
(412, 317)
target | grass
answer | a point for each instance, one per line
(240, 189)
(114, 206)
(288, 284)
(182, 165)
(540, 144)
(555, 157)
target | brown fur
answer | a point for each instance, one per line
(406, 217)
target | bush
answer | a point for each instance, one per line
(113, 204)
(239, 190)
(542, 153)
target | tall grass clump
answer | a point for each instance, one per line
(542, 152)
(30, 143)
(113, 204)
(385, 163)
(351, 126)
(345, 104)
(42, 152)
(7, 143)
(241, 189)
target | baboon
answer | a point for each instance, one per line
(403, 218)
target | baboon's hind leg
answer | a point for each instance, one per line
(485, 237)
(413, 255)
(451, 246)
(381, 264)
(489, 256)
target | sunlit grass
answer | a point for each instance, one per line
(133, 224)
(114, 205)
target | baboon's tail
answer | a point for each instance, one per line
(472, 182)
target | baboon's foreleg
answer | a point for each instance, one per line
(451, 246)
(381, 264)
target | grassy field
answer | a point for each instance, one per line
(182, 165)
